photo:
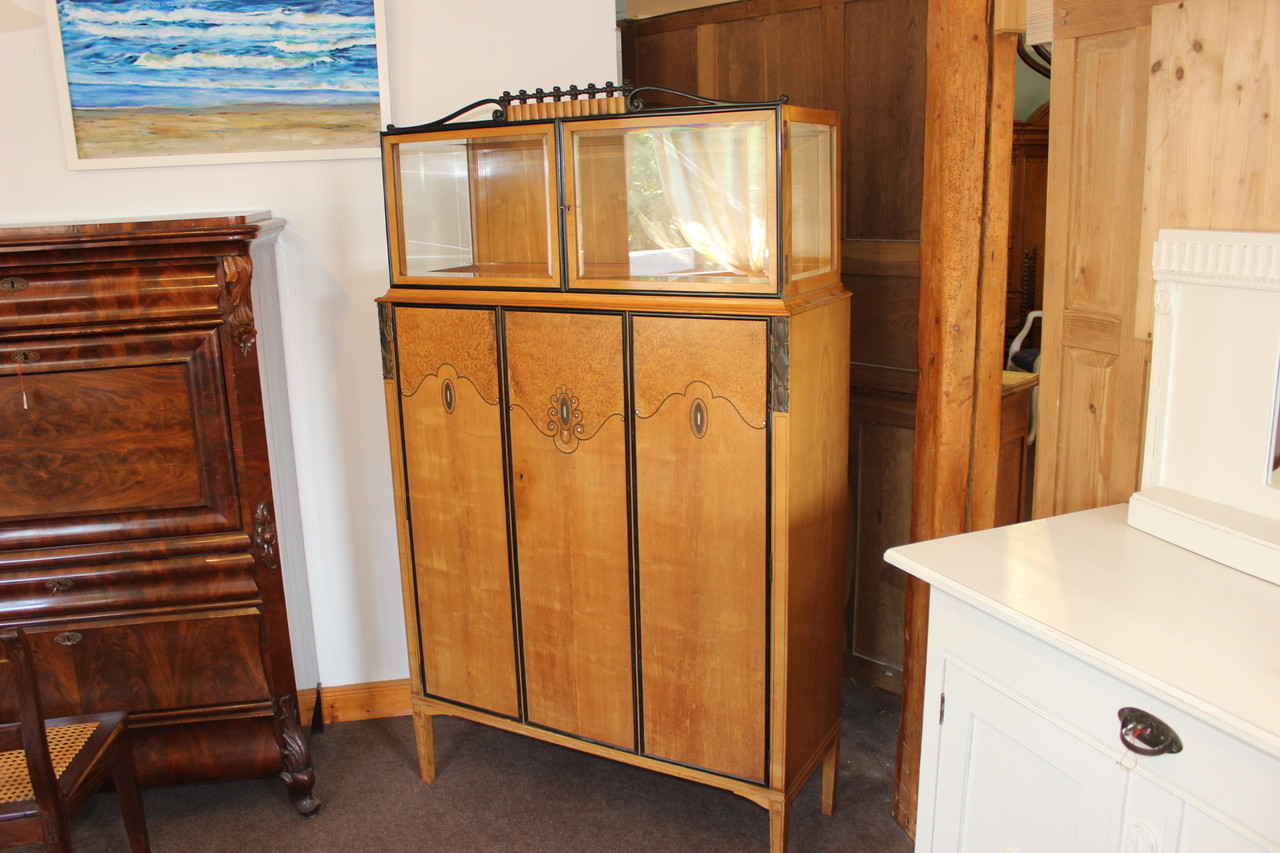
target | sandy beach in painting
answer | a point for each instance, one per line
(153, 131)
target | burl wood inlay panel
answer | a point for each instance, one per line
(463, 339)
(563, 355)
(727, 354)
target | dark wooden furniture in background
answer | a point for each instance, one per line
(52, 768)
(865, 60)
(1013, 474)
(137, 533)
(1027, 188)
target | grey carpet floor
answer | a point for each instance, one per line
(498, 791)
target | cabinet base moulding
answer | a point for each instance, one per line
(777, 802)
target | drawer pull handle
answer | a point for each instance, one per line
(13, 285)
(68, 638)
(1146, 734)
(59, 584)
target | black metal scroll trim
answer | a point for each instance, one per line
(631, 94)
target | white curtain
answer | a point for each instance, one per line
(714, 181)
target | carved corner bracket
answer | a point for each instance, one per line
(237, 275)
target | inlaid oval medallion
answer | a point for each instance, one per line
(447, 395)
(698, 418)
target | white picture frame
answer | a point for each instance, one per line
(1209, 480)
(154, 83)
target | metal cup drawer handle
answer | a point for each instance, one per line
(1146, 734)
(68, 638)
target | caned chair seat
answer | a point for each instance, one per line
(50, 768)
(65, 743)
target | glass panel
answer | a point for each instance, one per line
(687, 203)
(475, 207)
(811, 215)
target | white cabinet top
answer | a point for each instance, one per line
(1201, 632)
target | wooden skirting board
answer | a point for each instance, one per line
(349, 702)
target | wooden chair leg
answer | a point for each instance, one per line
(125, 778)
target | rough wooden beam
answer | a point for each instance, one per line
(957, 420)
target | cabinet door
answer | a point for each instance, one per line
(105, 438)
(702, 522)
(452, 428)
(569, 485)
(1011, 777)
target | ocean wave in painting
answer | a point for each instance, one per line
(211, 52)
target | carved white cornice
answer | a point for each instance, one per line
(1249, 259)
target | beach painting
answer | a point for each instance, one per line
(204, 81)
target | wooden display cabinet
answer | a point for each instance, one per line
(616, 364)
(137, 530)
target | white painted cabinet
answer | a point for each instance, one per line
(1039, 634)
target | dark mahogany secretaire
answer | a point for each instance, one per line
(137, 531)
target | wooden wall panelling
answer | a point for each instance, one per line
(1073, 19)
(883, 119)
(1168, 124)
(1213, 140)
(883, 383)
(884, 125)
(1092, 369)
(880, 512)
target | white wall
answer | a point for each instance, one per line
(332, 263)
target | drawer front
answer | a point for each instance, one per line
(1221, 777)
(191, 662)
(81, 591)
(70, 296)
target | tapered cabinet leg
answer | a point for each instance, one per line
(778, 813)
(830, 763)
(425, 734)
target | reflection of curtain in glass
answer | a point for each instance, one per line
(713, 179)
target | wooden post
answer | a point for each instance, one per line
(963, 245)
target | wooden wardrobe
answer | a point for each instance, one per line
(620, 461)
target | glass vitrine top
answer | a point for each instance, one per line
(671, 200)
